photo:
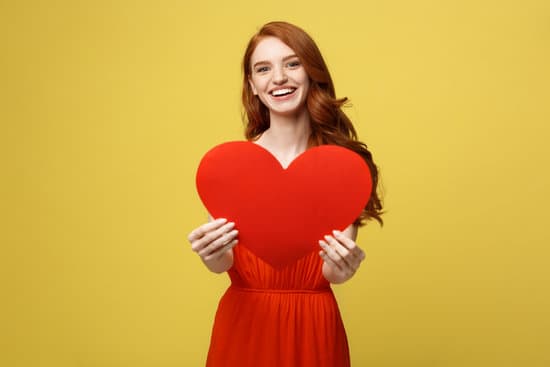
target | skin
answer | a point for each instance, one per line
(275, 66)
(214, 242)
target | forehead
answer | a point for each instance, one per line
(270, 49)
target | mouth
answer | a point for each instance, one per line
(282, 92)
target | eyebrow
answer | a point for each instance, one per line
(267, 62)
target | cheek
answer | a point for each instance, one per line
(304, 80)
(256, 83)
(264, 100)
(306, 85)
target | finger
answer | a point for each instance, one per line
(199, 232)
(331, 256)
(346, 271)
(222, 240)
(342, 251)
(219, 243)
(351, 258)
(211, 236)
(350, 244)
(221, 251)
(361, 254)
(345, 240)
(328, 260)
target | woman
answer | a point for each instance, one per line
(287, 317)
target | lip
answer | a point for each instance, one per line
(283, 87)
(285, 97)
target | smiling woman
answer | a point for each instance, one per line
(286, 316)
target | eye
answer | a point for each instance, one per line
(294, 63)
(262, 69)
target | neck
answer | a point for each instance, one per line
(288, 132)
(287, 136)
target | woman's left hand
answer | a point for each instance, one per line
(341, 255)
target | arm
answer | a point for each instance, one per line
(341, 255)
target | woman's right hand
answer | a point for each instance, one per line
(212, 242)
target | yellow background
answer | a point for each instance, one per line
(107, 107)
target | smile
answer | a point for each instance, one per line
(282, 92)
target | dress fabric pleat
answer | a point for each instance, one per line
(284, 318)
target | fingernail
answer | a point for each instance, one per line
(336, 232)
(231, 224)
(221, 220)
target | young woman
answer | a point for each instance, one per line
(286, 317)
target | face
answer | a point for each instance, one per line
(278, 77)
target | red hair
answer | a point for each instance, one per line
(329, 124)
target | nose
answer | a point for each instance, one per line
(279, 76)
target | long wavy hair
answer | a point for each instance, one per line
(329, 124)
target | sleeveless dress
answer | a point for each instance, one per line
(277, 317)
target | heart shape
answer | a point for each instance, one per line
(281, 214)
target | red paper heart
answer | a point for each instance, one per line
(281, 214)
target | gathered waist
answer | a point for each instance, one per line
(279, 290)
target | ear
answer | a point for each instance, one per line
(252, 86)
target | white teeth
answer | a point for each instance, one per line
(280, 92)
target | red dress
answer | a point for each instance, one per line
(282, 318)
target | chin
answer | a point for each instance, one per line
(294, 110)
(288, 111)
